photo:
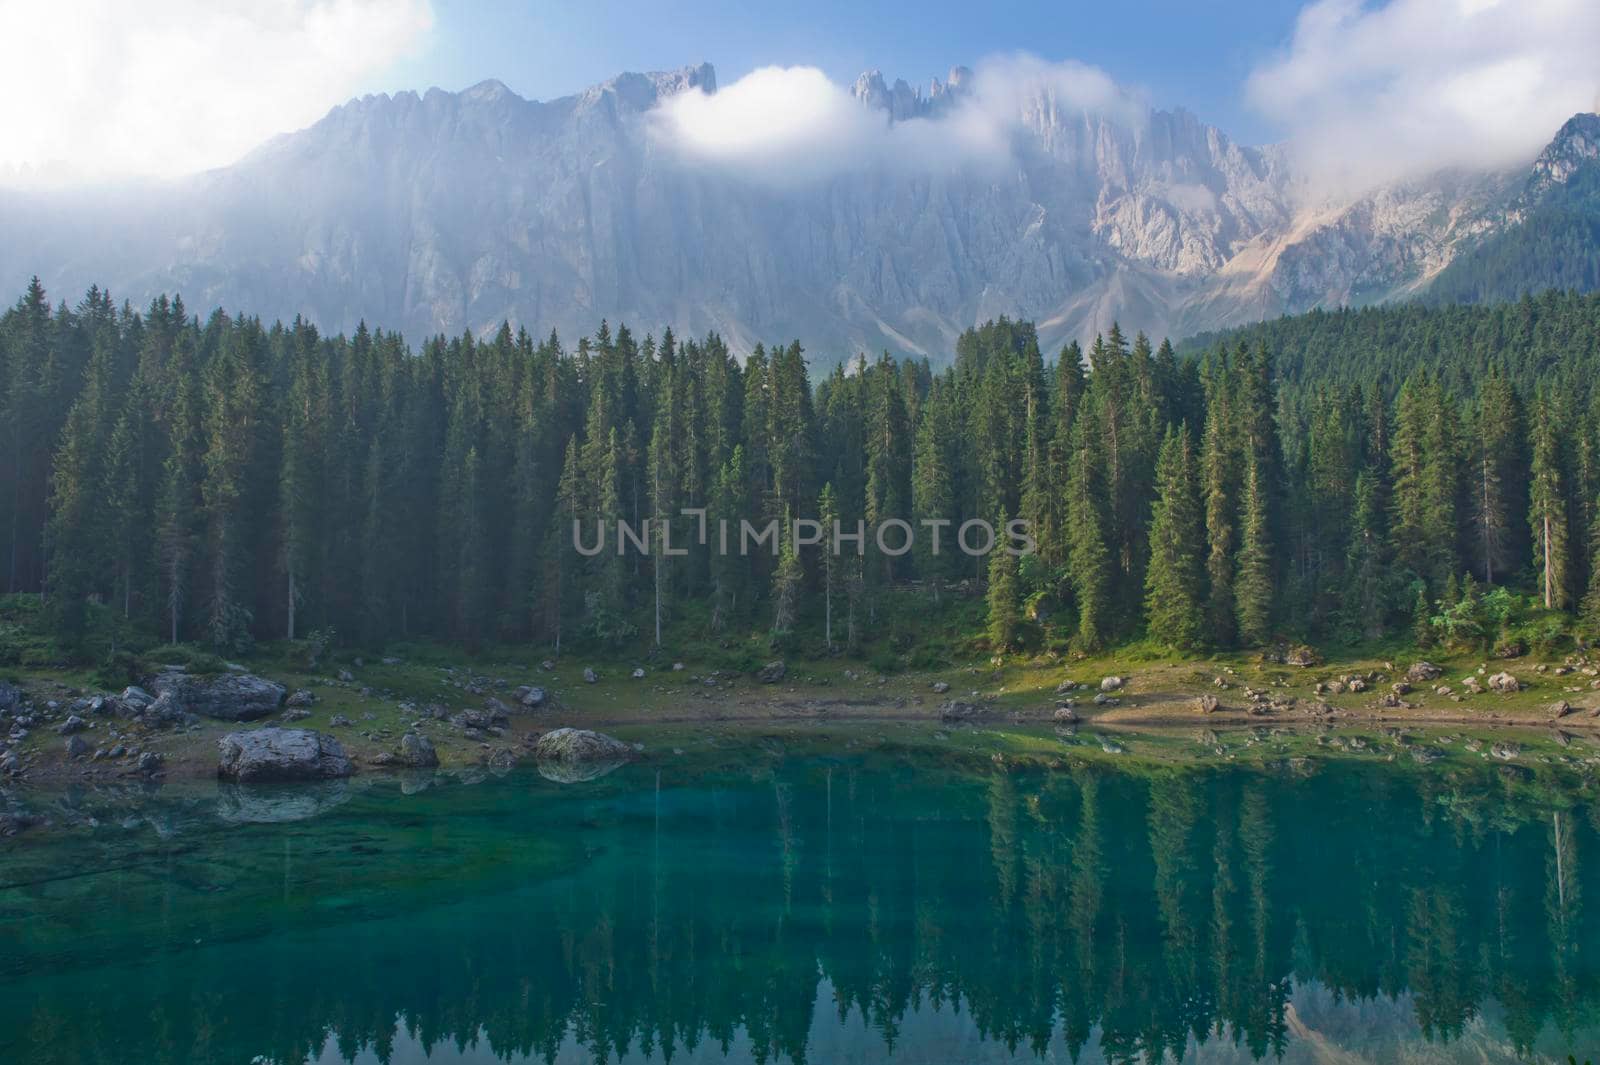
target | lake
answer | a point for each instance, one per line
(785, 904)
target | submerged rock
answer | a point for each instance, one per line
(281, 754)
(224, 696)
(266, 806)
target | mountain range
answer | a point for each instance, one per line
(445, 212)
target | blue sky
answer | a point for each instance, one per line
(1195, 54)
(1361, 90)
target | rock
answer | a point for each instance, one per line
(339, 721)
(135, 699)
(547, 665)
(1423, 672)
(677, 667)
(1472, 685)
(225, 696)
(940, 687)
(1506, 750)
(534, 698)
(1102, 699)
(72, 724)
(300, 699)
(1302, 656)
(1504, 683)
(589, 675)
(1391, 701)
(1111, 746)
(1561, 709)
(1400, 687)
(416, 751)
(638, 674)
(1066, 686)
(499, 712)
(297, 714)
(955, 710)
(150, 763)
(1208, 704)
(1066, 715)
(268, 754)
(10, 696)
(580, 745)
(77, 747)
(346, 677)
(1333, 687)
(1356, 684)
(1111, 684)
(772, 672)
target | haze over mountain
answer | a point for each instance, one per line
(888, 217)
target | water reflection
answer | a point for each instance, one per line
(827, 910)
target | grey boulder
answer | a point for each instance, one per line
(223, 696)
(580, 745)
(268, 754)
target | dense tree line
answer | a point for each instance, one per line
(226, 480)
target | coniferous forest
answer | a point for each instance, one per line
(1411, 472)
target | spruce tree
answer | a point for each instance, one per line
(1004, 611)
(1089, 559)
(1174, 581)
(1547, 514)
(1253, 592)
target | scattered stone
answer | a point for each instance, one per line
(1303, 657)
(956, 710)
(589, 675)
(346, 677)
(339, 721)
(1506, 750)
(677, 667)
(1111, 684)
(772, 672)
(77, 747)
(638, 674)
(1111, 746)
(300, 699)
(72, 724)
(533, 698)
(267, 754)
(1472, 685)
(1208, 704)
(417, 752)
(297, 714)
(1561, 709)
(940, 687)
(1102, 699)
(1423, 672)
(1066, 715)
(150, 763)
(1504, 683)
(1066, 686)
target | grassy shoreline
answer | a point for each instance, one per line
(420, 686)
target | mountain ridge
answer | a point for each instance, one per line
(447, 211)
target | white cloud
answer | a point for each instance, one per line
(109, 88)
(789, 125)
(1370, 93)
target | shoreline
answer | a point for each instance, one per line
(472, 715)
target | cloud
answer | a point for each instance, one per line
(792, 125)
(107, 88)
(1372, 93)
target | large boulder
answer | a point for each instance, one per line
(416, 751)
(10, 696)
(580, 745)
(1504, 683)
(1423, 673)
(223, 696)
(772, 672)
(267, 754)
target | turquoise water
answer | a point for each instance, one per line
(869, 908)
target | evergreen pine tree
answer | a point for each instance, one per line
(1174, 579)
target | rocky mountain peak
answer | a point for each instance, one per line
(1576, 146)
